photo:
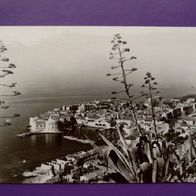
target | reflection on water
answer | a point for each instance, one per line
(46, 139)
(34, 149)
(33, 140)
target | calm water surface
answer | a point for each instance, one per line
(34, 149)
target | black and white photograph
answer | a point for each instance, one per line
(91, 105)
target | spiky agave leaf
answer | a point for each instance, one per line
(154, 171)
(123, 142)
(119, 161)
(124, 147)
(191, 152)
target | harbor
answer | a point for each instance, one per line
(93, 122)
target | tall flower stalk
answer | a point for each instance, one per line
(122, 70)
(150, 85)
(6, 69)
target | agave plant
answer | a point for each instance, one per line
(165, 158)
(165, 161)
(119, 162)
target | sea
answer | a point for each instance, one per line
(22, 154)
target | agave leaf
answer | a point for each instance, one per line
(154, 171)
(191, 152)
(190, 165)
(127, 152)
(167, 166)
(120, 162)
(123, 142)
(118, 165)
(193, 148)
(190, 149)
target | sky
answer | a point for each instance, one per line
(55, 60)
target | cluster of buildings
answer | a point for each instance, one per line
(49, 121)
(92, 114)
(104, 116)
(80, 167)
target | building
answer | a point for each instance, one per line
(96, 123)
(86, 107)
(190, 100)
(51, 125)
(43, 125)
(37, 124)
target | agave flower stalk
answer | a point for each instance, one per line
(6, 71)
(119, 52)
(150, 86)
